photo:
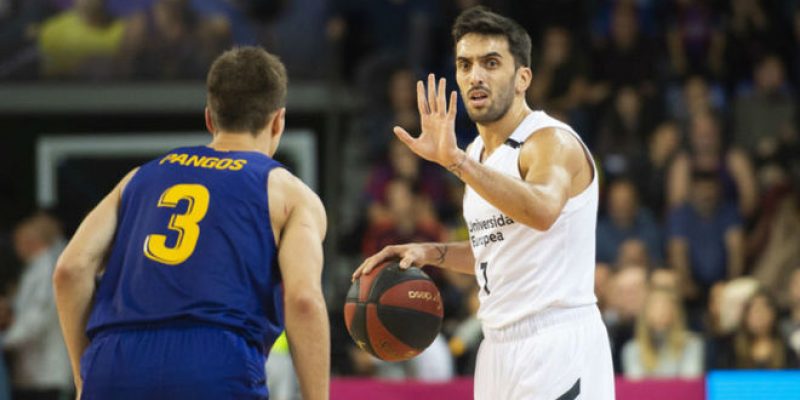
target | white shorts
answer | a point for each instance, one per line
(560, 354)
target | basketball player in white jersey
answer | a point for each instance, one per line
(531, 207)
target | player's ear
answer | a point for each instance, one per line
(524, 78)
(209, 121)
(279, 122)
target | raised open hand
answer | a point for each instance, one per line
(437, 142)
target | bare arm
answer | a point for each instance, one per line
(745, 178)
(453, 256)
(734, 246)
(549, 160)
(76, 269)
(300, 259)
(678, 180)
(679, 260)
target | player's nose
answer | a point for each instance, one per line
(477, 77)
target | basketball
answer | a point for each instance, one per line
(393, 314)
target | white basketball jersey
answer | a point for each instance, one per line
(522, 271)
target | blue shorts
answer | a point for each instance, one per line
(193, 363)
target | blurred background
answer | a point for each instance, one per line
(690, 107)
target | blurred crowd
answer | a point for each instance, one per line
(690, 107)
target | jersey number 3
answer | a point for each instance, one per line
(155, 245)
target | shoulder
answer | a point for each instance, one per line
(287, 193)
(281, 181)
(552, 143)
(551, 135)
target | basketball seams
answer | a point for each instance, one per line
(384, 343)
(410, 335)
(412, 310)
(392, 331)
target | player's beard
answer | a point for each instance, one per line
(497, 109)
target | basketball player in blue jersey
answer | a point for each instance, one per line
(530, 206)
(204, 255)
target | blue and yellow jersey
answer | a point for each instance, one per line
(194, 245)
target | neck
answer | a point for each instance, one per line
(227, 141)
(494, 134)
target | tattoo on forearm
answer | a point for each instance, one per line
(455, 168)
(442, 250)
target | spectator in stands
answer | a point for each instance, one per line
(706, 152)
(625, 301)
(561, 82)
(18, 25)
(790, 326)
(758, 343)
(81, 42)
(633, 252)
(628, 59)
(169, 41)
(621, 134)
(696, 96)
(402, 164)
(651, 179)
(662, 347)
(705, 238)
(664, 278)
(749, 36)
(238, 18)
(726, 304)
(626, 219)
(780, 224)
(406, 217)
(41, 367)
(375, 31)
(393, 104)
(694, 39)
(765, 116)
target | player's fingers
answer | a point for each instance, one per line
(451, 111)
(406, 262)
(422, 104)
(366, 266)
(432, 93)
(441, 98)
(376, 259)
(404, 136)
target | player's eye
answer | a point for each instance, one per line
(492, 63)
(464, 66)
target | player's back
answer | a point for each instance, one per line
(194, 246)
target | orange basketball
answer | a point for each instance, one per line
(393, 314)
